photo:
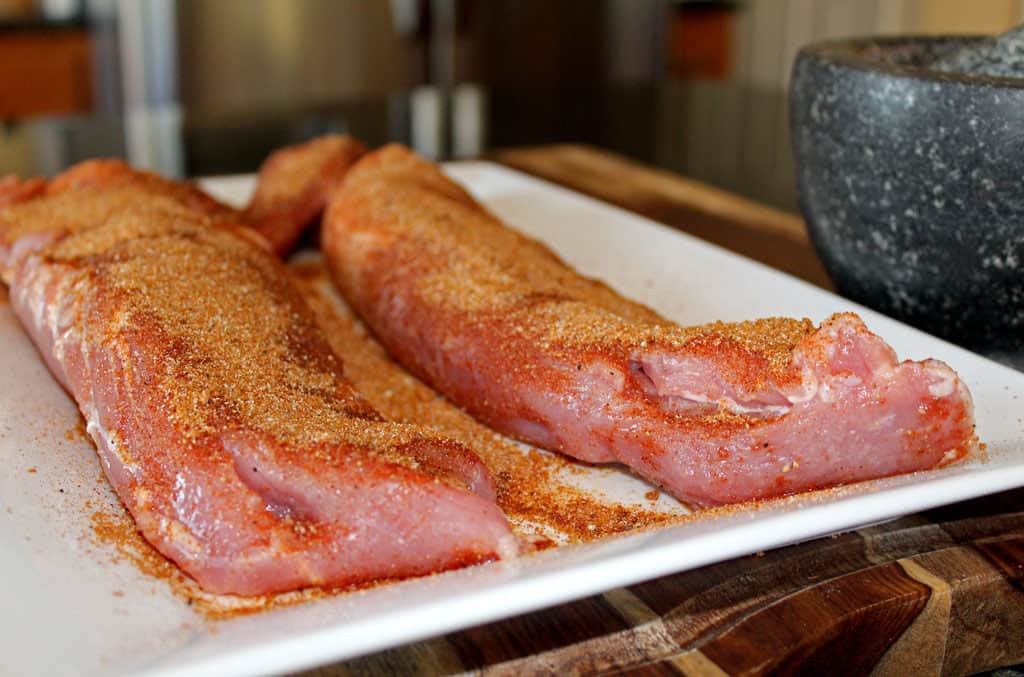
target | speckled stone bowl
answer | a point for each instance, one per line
(912, 184)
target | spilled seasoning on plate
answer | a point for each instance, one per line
(76, 432)
(118, 530)
(115, 529)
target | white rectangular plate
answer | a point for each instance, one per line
(70, 607)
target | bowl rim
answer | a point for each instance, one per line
(845, 52)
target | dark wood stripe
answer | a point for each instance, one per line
(783, 569)
(842, 626)
(656, 669)
(537, 632)
(921, 649)
(1007, 555)
(434, 656)
(716, 597)
(646, 639)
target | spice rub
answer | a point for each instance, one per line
(220, 414)
(716, 413)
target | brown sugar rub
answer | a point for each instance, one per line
(293, 185)
(290, 195)
(220, 414)
(719, 413)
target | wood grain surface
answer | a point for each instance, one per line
(936, 593)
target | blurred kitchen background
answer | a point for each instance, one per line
(199, 87)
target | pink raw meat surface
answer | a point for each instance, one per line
(720, 413)
(220, 415)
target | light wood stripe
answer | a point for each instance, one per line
(921, 650)
(695, 664)
(630, 607)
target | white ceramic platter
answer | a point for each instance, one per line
(70, 606)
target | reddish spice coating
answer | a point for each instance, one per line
(109, 174)
(714, 413)
(89, 194)
(289, 197)
(221, 415)
(14, 190)
(293, 186)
